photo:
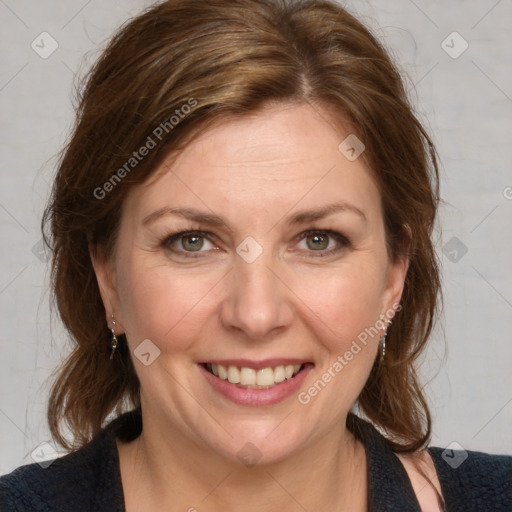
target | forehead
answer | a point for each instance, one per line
(278, 157)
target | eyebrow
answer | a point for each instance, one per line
(303, 216)
(210, 219)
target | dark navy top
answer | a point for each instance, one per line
(89, 479)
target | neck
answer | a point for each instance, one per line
(165, 469)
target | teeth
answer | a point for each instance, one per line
(279, 374)
(222, 373)
(233, 374)
(251, 378)
(247, 376)
(265, 377)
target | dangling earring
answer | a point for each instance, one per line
(382, 341)
(382, 347)
(114, 338)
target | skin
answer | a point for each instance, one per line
(255, 171)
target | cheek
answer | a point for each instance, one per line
(343, 308)
(165, 306)
(344, 302)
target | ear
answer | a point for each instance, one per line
(397, 272)
(106, 277)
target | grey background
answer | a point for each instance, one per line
(467, 105)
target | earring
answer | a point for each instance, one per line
(382, 341)
(382, 347)
(114, 338)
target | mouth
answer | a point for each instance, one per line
(255, 383)
(251, 375)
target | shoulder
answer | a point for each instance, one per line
(87, 479)
(422, 475)
(66, 483)
(472, 480)
(467, 481)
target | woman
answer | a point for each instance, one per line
(241, 228)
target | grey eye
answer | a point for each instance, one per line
(192, 243)
(317, 241)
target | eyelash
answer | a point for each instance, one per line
(342, 240)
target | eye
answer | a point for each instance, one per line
(317, 241)
(192, 242)
(323, 242)
(188, 242)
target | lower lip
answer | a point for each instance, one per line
(257, 397)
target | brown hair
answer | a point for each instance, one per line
(221, 59)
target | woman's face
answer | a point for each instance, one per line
(284, 264)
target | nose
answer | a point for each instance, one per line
(258, 303)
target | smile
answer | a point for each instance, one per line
(251, 378)
(251, 383)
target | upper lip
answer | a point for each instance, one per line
(257, 365)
